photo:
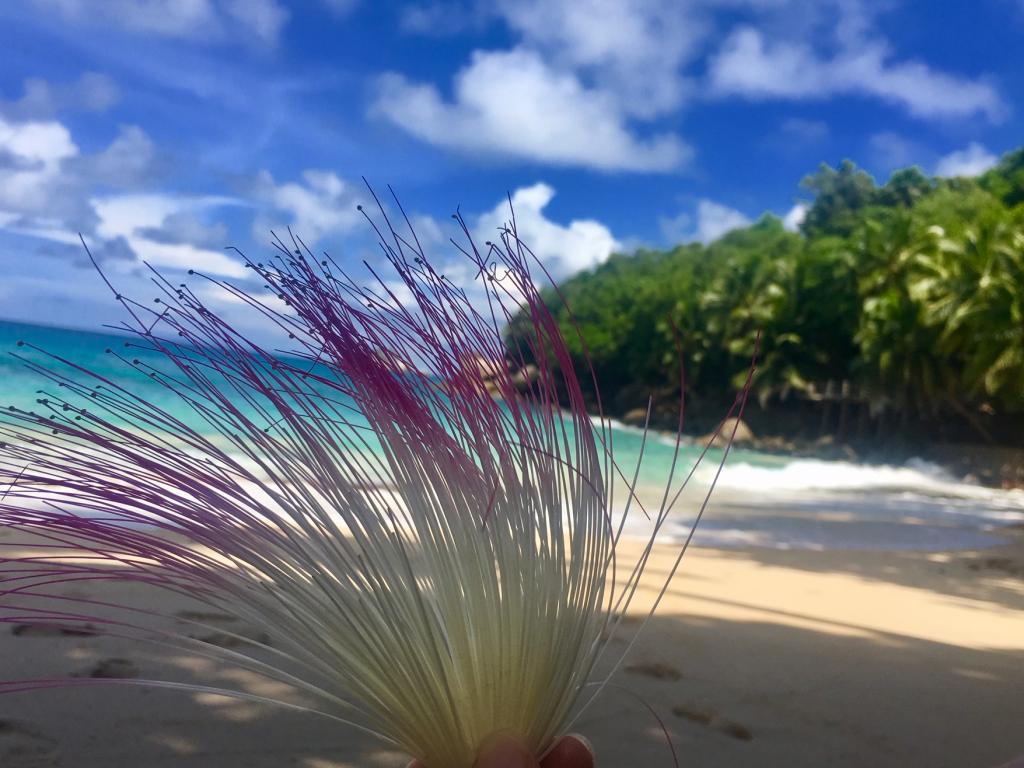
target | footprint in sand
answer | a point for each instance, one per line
(657, 670)
(715, 722)
(49, 630)
(24, 746)
(115, 669)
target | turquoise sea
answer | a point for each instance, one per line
(760, 499)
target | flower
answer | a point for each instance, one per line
(427, 543)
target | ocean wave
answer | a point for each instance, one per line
(916, 475)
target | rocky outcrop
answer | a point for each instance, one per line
(743, 434)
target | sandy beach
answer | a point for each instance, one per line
(757, 657)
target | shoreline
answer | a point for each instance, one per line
(991, 466)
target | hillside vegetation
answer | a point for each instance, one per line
(904, 301)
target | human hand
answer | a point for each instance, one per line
(572, 751)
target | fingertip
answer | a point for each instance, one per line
(502, 751)
(572, 751)
(415, 764)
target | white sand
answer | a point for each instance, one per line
(756, 658)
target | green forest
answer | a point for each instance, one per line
(905, 299)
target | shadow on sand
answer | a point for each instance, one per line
(732, 693)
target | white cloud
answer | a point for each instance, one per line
(634, 51)
(45, 143)
(583, 81)
(715, 220)
(46, 193)
(513, 103)
(748, 65)
(46, 181)
(563, 249)
(200, 20)
(31, 156)
(185, 256)
(189, 226)
(322, 204)
(973, 160)
(134, 217)
(795, 216)
(712, 220)
(127, 214)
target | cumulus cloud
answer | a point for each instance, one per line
(795, 216)
(710, 222)
(563, 248)
(634, 51)
(44, 176)
(32, 154)
(579, 87)
(584, 82)
(197, 20)
(48, 192)
(749, 65)
(973, 160)
(138, 217)
(513, 103)
(715, 220)
(321, 204)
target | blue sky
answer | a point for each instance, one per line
(163, 130)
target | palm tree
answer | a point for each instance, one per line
(977, 299)
(899, 350)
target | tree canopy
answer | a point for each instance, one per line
(913, 291)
